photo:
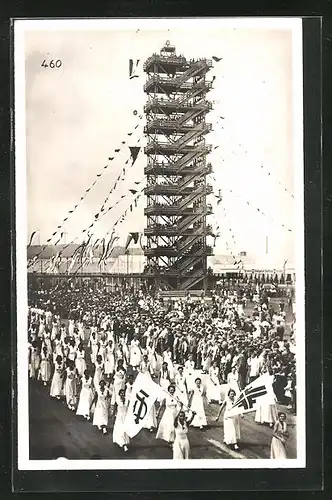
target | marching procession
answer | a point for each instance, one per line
(127, 360)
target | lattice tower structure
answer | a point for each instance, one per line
(176, 192)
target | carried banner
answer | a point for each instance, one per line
(143, 395)
(258, 393)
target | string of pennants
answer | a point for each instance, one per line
(107, 246)
(250, 204)
(87, 230)
(237, 261)
(263, 167)
(134, 151)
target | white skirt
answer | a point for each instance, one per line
(197, 405)
(56, 385)
(85, 401)
(213, 392)
(109, 364)
(266, 414)
(119, 435)
(100, 416)
(80, 366)
(231, 429)
(166, 425)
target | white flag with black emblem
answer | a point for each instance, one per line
(143, 395)
(259, 392)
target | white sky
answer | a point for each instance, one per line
(78, 114)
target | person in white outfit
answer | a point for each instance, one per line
(181, 391)
(86, 396)
(213, 392)
(120, 411)
(102, 399)
(232, 432)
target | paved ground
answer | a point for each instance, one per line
(52, 424)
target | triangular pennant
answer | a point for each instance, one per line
(135, 237)
(133, 191)
(134, 150)
(116, 150)
(31, 237)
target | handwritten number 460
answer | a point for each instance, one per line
(52, 64)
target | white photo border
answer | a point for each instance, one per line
(20, 27)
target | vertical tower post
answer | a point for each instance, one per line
(176, 170)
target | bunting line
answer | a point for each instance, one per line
(98, 177)
(250, 204)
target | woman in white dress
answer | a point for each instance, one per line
(102, 347)
(181, 446)
(55, 330)
(233, 380)
(128, 387)
(166, 425)
(110, 361)
(120, 410)
(72, 350)
(101, 399)
(34, 360)
(206, 359)
(56, 390)
(80, 359)
(41, 328)
(71, 384)
(93, 344)
(80, 328)
(99, 371)
(135, 353)
(57, 347)
(280, 435)
(86, 396)
(167, 357)
(197, 405)
(152, 358)
(181, 391)
(47, 342)
(144, 366)
(119, 380)
(71, 328)
(45, 366)
(189, 372)
(232, 432)
(213, 391)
